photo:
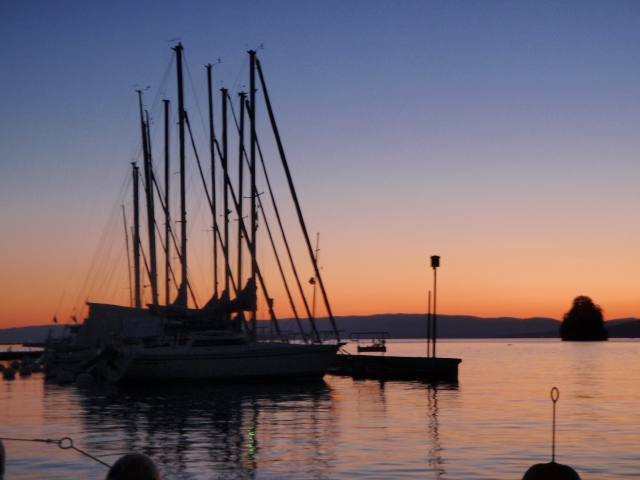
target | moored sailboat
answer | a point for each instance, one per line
(215, 342)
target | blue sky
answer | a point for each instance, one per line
(500, 135)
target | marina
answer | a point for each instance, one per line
(167, 173)
(494, 423)
(177, 340)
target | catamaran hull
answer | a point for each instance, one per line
(259, 361)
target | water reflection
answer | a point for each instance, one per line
(434, 456)
(228, 431)
(392, 429)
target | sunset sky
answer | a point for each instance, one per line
(502, 136)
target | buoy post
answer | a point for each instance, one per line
(435, 263)
(3, 459)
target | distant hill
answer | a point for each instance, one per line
(448, 326)
(29, 334)
(400, 325)
(628, 329)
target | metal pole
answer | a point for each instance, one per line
(126, 239)
(212, 138)
(555, 395)
(151, 217)
(225, 196)
(240, 185)
(434, 311)
(435, 263)
(136, 237)
(316, 280)
(182, 294)
(429, 327)
(254, 216)
(167, 217)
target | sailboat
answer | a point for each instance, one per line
(175, 342)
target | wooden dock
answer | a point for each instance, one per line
(396, 368)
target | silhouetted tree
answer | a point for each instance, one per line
(583, 322)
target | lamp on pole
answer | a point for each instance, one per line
(435, 263)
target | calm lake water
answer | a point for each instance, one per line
(493, 424)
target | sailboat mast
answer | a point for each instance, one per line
(226, 189)
(136, 236)
(151, 216)
(149, 194)
(240, 184)
(167, 218)
(316, 280)
(126, 239)
(254, 217)
(182, 293)
(212, 139)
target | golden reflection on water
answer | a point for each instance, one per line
(493, 424)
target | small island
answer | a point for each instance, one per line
(584, 322)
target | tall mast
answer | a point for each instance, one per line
(254, 217)
(226, 189)
(149, 194)
(151, 217)
(212, 139)
(167, 218)
(126, 239)
(181, 300)
(136, 236)
(316, 280)
(240, 184)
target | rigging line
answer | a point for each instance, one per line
(154, 104)
(286, 286)
(193, 89)
(64, 443)
(303, 227)
(272, 314)
(107, 271)
(195, 152)
(210, 204)
(193, 295)
(74, 262)
(146, 265)
(192, 225)
(160, 92)
(106, 264)
(226, 261)
(157, 228)
(275, 252)
(204, 183)
(241, 74)
(284, 238)
(163, 246)
(91, 276)
(163, 83)
(126, 236)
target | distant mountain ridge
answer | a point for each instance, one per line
(414, 325)
(400, 325)
(29, 334)
(403, 325)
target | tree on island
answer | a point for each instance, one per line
(584, 322)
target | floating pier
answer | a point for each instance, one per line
(396, 368)
(19, 354)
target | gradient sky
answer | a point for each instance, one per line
(502, 136)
